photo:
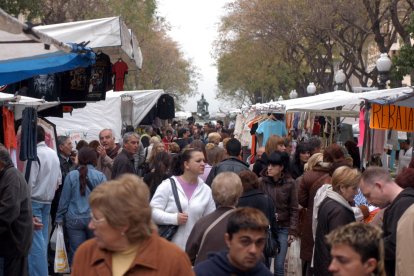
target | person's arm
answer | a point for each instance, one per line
(9, 205)
(303, 193)
(293, 210)
(159, 204)
(64, 199)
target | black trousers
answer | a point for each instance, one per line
(11, 266)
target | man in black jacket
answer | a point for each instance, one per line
(231, 164)
(16, 227)
(124, 162)
(245, 237)
(380, 190)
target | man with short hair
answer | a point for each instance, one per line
(125, 161)
(231, 164)
(207, 234)
(16, 227)
(44, 179)
(219, 126)
(245, 238)
(107, 151)
(356, 249)
(380, 190)
(183, 138)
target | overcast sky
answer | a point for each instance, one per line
(194, 26)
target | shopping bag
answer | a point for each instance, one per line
(61, 256)
(294, 263)
(53, 239)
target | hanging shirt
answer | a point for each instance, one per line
(165, 107)
(75, 86)
(45, 86)
(271, 127)
(10, 140)
(120, 68)
(100, 78)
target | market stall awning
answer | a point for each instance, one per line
(26, 52)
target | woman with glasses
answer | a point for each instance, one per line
(194, 195)
(126, 242)
(74, 211)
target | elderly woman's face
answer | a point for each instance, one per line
(107, 237)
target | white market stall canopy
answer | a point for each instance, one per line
(111, 35)
(87, 122)
(319, 104)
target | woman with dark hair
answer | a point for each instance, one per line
(353, 151)
(160, 172)
(194, 195)
(300, 158)
(255, 198)
(74, 211)
(279, 185)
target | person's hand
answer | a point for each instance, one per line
(101, 151)
(182, 218)
(37, 224)
(291, 238)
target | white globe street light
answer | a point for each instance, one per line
(280, 98)
(383, 64)
(293, 94)
(311, 89)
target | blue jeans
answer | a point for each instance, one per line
(38, 250)
(282, 236)
(78, 232)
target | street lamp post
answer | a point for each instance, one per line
(293, 94)
(383, 65)
(340, 79)
(311, 89)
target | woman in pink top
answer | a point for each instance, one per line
(195, 196)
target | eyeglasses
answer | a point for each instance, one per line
(95, 220)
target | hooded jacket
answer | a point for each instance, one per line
(219, 265)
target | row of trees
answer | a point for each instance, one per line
(266, 48)
(164, 65)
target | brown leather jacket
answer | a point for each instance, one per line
(285, 198)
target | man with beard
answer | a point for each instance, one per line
(107, 151)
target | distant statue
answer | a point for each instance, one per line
(202, 107)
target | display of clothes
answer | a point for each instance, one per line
(119, 69)
(47, 86)
(101, 77)
(271, 126)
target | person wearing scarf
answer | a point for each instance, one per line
(332, 212)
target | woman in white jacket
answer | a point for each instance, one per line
(195, 196)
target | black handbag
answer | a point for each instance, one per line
(168, 231)
(270, 249)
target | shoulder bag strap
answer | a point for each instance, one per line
(175, 193)
(220, 218)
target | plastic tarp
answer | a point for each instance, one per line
(110, 35)
(24, 54)
(87, 122)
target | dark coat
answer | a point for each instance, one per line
(285, 197)
(16, 225)
(124, 162)
(331, 215)
(214, 240)
(219, 265)
(296, 169)
(309, 184)
(391, 217)
(231, 164)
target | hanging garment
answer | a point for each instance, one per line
(120, 69)
(75, 86)
(101, 78)
(10, 141)
(28, 143)
(165, 107)
(271, 127)
(47, 86)
(361, 127)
